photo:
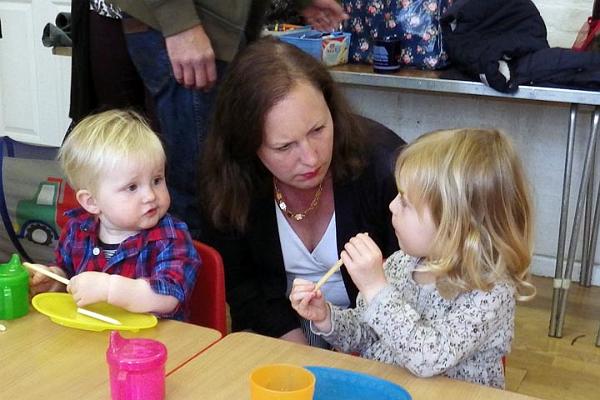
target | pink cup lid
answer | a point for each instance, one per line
(135, 354)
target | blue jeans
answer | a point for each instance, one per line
(184, 116)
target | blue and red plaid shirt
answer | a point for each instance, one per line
(164, 255)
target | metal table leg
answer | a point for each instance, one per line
(564, 213)
(565, 279)
(594, 241)
(587, 258)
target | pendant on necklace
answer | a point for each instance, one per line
(301, 215)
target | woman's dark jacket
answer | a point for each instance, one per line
(254, 270)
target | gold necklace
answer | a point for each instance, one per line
(301, 215)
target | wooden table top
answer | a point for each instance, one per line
(221, 372)
(43, 360)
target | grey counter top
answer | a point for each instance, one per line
(410, 79)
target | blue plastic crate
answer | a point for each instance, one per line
(312, 43)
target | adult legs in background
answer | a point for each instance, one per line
(115, 80)
(184, 116)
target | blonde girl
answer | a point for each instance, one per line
(444, 303)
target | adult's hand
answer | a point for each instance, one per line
(192, 58)
(325, 15)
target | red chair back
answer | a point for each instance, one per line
(207, 304)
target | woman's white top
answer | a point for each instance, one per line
(300, 263)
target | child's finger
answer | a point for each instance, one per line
(345, 257)
(370, 243)
(76, 297)
(351, 250)
(363, 240)
(38, 278)
(303, 284)
(307, 286)
(303, 288)
(359, 244)
(300, 281)
(362, 236)
(363, 247)
(297, 296)
(305, 303)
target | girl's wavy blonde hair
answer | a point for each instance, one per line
(474, 184)
(102, 141)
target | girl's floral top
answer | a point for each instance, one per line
(413, 326)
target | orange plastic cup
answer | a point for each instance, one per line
(281, 382)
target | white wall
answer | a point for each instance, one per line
(563, 19)
(34, 84)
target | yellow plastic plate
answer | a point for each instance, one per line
(62, 310)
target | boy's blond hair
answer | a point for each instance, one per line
(474, 184)
(100, 142)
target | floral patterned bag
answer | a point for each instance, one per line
(414, 22)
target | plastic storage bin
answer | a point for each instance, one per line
(329, 48)
(284, 29)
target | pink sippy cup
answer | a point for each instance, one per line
(136, 368)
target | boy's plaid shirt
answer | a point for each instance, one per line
(163, 255)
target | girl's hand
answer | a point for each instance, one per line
(89, 287)
(364, 263)
(310, 304)
(39, 283)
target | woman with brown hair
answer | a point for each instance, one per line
(289, 176)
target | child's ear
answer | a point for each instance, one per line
(87, 201)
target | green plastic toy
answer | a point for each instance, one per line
(14, 289)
